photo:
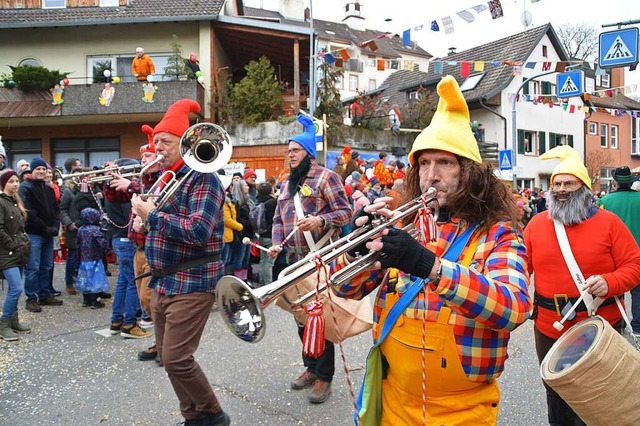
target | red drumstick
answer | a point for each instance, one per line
(247, 241)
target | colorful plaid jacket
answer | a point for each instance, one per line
(326, 198)
(188, 227)
(488, 299)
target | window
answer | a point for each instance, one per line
(635, 136)
(614, 137)
(603, 80)
(371, 61)
(24, 149)
(91, 151)
(604, 135)
(471, 82)
(531, 88)
(593, 128)
(31, 62)
(372, 84)
(109, 3)
(339, 82)
(416, 95)
(556, 139)
(353, 83)
(530, 142)
(120, 65)
(544, 51)
(50, 4)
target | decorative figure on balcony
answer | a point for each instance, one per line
(107, 95)
(56, 93)
(149, 91)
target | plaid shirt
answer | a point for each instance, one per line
(188, 227)
(488, 300)
(328, 199)
(137, 187)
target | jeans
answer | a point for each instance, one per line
(39, 267)
(71, 267)
(240, 256)
(13, 276)
(266, 264)
(126, 303)
(226, 256)
(635, 309)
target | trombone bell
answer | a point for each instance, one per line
(206, 147)
(241, 310)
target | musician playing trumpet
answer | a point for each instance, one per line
(471, 282)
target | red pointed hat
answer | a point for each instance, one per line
(150, 146)
(176, 119)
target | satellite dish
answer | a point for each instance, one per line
(526, 18)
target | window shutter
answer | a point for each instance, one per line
(525, 89)
(552, 140)
(520, 141)
(546, 88)
(542, 142)
(570, 139)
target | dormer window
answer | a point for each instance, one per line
(109, 3)
(544, 51)
(54, 4)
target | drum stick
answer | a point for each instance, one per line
(559, 325)
(293, 231)
(247, 241)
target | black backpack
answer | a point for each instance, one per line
(258, 219)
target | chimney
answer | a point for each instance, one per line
(353, 16)
(452, 50)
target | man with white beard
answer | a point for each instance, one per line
(603, 247)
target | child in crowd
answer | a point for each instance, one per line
(92, 247)
(376, 189)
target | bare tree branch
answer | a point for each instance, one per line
(580, 41)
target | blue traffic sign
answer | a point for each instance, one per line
(505, 159)
(618, 48)
(570, 84)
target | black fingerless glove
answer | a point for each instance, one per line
(53, 231)
(403, 252)
(361, 249)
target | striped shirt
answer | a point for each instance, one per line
(327, 199)
(189, 226)
(488, 299)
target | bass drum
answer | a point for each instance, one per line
(596, 371)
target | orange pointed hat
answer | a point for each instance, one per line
(176, 119)
(150, 146)
(450, 128)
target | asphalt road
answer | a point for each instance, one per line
(64, 373)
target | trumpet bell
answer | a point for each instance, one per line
(240, 309)
(206, 147)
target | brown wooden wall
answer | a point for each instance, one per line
(37, 4)
(272, 158)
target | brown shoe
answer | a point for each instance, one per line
(71, 290)
(306, 380)
(33, 305)
(320, 393)
(50, 301)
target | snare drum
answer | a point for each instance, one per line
(595, 370)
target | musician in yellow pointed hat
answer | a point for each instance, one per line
(465, 288)
(605, 251)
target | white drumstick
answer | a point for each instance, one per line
(293, 231)
(559, 325)
(247, 241)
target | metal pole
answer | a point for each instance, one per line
(514, 131)
(312, 63)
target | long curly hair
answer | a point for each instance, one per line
(481, 197)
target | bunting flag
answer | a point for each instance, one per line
(496, 9)
(531, 65)
(434, 26)
(372, 45)
(546, 66)
(344, 54)
(329, 58)
(479, 8)
(447, 22)
(465, 69)
(418, 28)
(381, 64)
(466, 15)
(406, 38)
(478, 66)
(437, 67)
(561, 66)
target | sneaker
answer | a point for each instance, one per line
(320, 393)
(33, 305)
(134, 332)
(97, 304)
(146, 322)
(306, 380)
(148, 354)
(50, 301)
(116, 327)
(219, 419)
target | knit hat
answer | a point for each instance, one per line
(237, 174)
(570, 163)
(449, 129)
(248, 173)
(355, 155)
(176, 119)
(373, 181)
(356, 175)
(139, 49)
(5, 176)
(37, 162)
(622, 175)
(149, 146)
(307, 139)
(2, 151)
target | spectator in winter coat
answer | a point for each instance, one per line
(142, 66)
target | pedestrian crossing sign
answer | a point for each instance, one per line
(618, 48)
(570, 84)
(505, 159)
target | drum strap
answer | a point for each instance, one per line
(591, 303)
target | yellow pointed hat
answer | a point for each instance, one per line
(450, 128)
(570, 163)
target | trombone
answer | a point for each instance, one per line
(205, 148)
(242, 306)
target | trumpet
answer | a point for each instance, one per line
(113, 169)
(242, 306)
(143, 170)
(205, 148)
